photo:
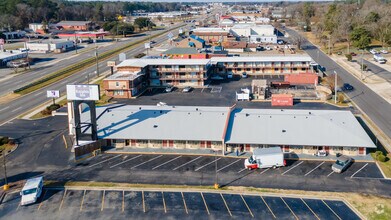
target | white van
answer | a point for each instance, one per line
(265, 158)
(31, 191)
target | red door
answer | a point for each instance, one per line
(132, 142)
(247, 147)
(208, 144)
(171, 143)
(327, 149)
(165, 143)
(202, 144)
(361, 150)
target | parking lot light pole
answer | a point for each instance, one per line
(362, 63)
(5, 186)
(97, 61)
(216, 185)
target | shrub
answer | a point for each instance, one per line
(381, 158)
(349, 57)
(364, 67)
(341, 98)
(4, 140)
(139, 55)
(377, 153)
(53, 107)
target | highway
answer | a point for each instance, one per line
(373, 105)
(17, 107)
(7, 86)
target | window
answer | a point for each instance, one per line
(118, 92)
(303, 69)
(167, 66)
(117, 84)
(182, 66)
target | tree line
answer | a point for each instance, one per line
(17, 14)
(355, 24)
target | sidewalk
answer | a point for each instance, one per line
(210, 152)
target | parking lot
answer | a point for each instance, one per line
(211, 164)
(119, 204)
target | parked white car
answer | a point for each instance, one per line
(268, 48)
(384, 51)
(373, 51)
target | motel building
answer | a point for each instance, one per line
(226, 129)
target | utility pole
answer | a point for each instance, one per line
(335, 87)
(216, 184)
(317, 60)
(75, 43)
(5, 186)
(97, 61)
(329, 53)
(362, 63)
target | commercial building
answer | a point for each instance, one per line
(50, 46)
(212, 35)
(263, 65)
(255, 33)
(8, 56)
(184, 53)
(191, 41)
(134, 75)
(227, 129)
(75, 25)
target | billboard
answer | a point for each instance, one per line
(83, 92)
(53, 93)
(147, 45)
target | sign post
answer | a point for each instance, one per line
(53, 94)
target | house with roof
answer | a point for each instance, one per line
(75, 25)
(184, 53)
(191, 41)
(234, 46)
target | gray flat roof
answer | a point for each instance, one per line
(181, 50)
(296, 127)
(123, 76)
(163, 123)
(146, 62)
(287, 58)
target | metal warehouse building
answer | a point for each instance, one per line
(226, 129)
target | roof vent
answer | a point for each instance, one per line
(188, 113)
(247, 114)
(200, 113)
(154, 112)
(282, 110)
(270, 116)
(139, 108)
(108, 110)
(294, 116)
(283, 131)
(155, 126)
(161, 111)
(196, 109)
(309, 112)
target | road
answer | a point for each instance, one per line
(377, 70)
(373, 105)
(19, 106)
(20, 80)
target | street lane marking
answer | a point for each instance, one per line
(146, 161)
(142, 193)
(42, 200)
(38, 93)
(359, 170)
(166, 162)
(330, 173)
(123, 200)
(126, 161)
(268, 207)
(82, 200)
(310, 209)
(103, 200)
(184, 202)
(228, 165)
(4, 108)
(62, 200)
(207, 164)
(104, 161)
(289, 208)
(249, 210)
(16, 109)
(186, 163)
(164, 203)
(226, 205)
(332, 210)
(292, 167)
(206, 206)
(314, 169)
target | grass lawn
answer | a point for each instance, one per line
(6, 147)
(385, 166)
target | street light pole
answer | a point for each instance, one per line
(5, 186)
(335, 87)
(362, 63)
(97, 61)
(216, 184)
(75, 43)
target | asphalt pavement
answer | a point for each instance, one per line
(373, 105)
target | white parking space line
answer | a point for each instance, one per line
(314, 169)
(330, 173)
(310, 209)
(184, 203)
(248, 208)
(4, 108)
(207, 164)
(265, 170)
(206, 206)
(292, 168)
(126, 161)
(228, 165)
(166, 162)
(186, 163)
(332, 210)
(226, 205)
(242, 170)
(146, 161)
(289, 208)
(359, 170)
(105, 160)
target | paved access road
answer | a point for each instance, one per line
(377, 70)
(119, 204)
(12, 109)
(368, 101)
